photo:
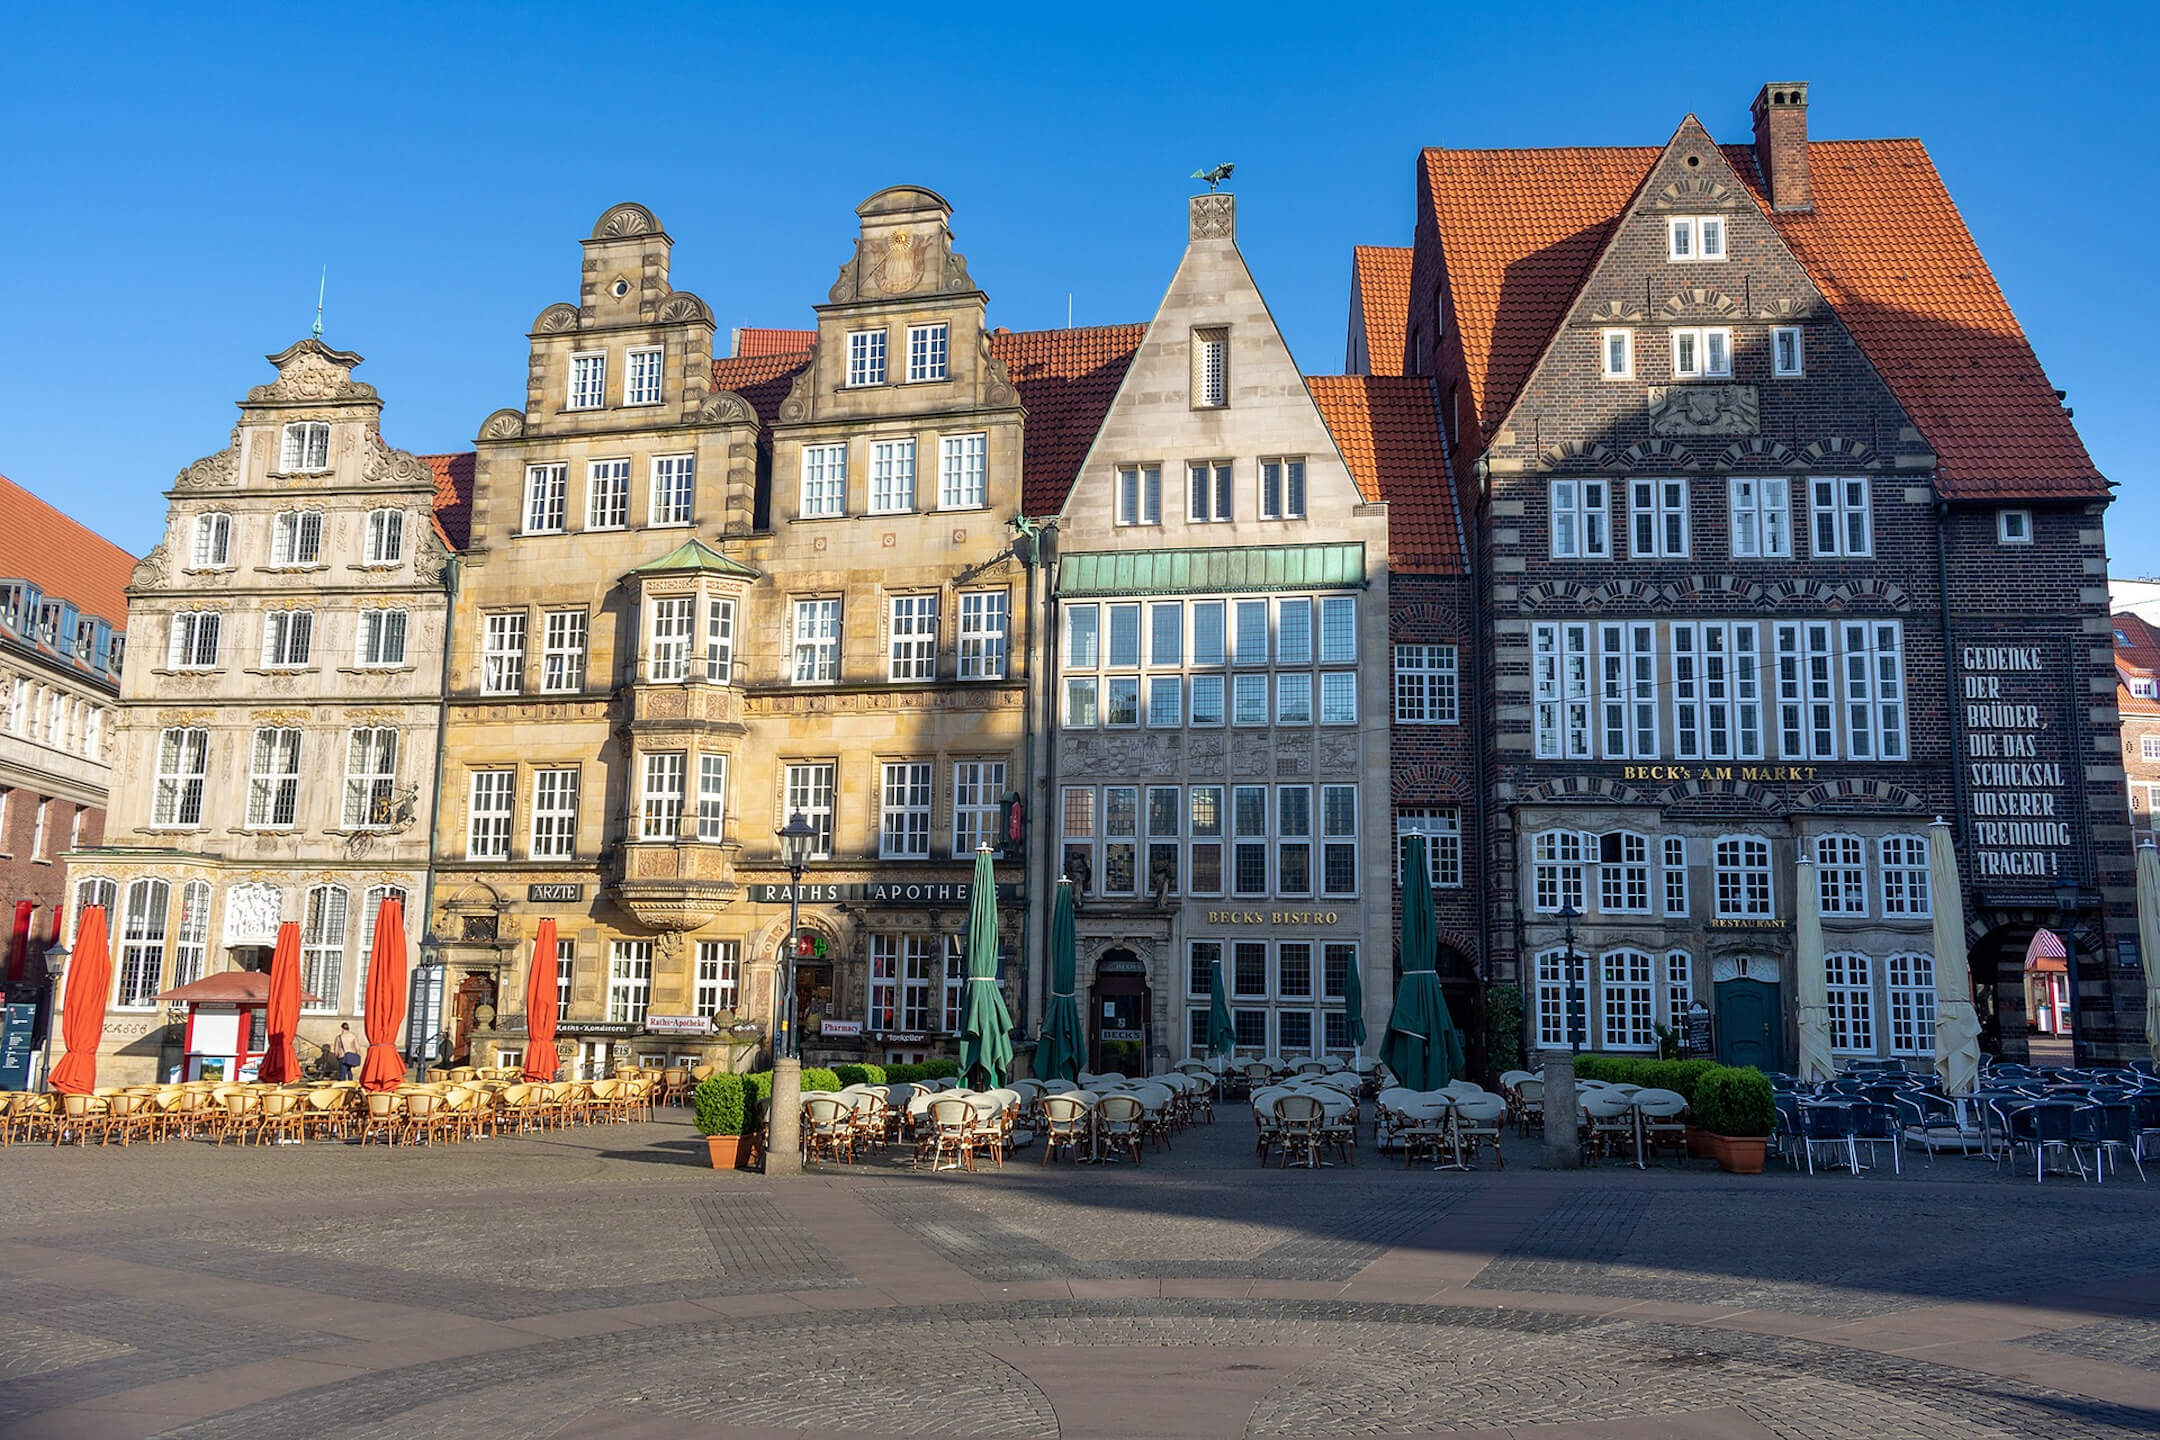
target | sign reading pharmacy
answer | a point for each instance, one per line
(881, 892)
(2014, 770)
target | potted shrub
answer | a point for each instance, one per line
(721, 1109)
(1735, 1109)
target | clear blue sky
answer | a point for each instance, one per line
(177, 176)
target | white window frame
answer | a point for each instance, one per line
(304, 448)
(719, 972)
(911, 633)
(379, 638)
(1806, 674)
(288, 639)
(212, 545)
(964, 471)
(892, 476)
(905, 799)
(547, 499)
(662, 775)
(1627, 1000)
(191, 941)
(1717, 689)
(1559, 870)
(1338, 697)
(1165, 702)
(1580, 518)
(588, 380)
(719, 640)
(1337, 626)
(553, 830)
(273, 801)
(644, 369)
(562, 651)
(1783, 337)
(1616, 354)
(371, 757)
(1210, 491)
(607, 495)
(1702, 352)
(1841, 520)
(1695, 239)
(808, 790)
(978, 805)
(327, 917)
(1208, 705)
(183, 770)
(502, 653)
(1282, 487)
(1427, 684)
(1760, 510)
(1550, 1002)
(629, 991)
(1442, 829)
(1673, 869)
(1294, 697)
(1907, 882)
(712, 781)
(385, 544)
(2013, 527)
(1628, 695)
(1560, 684)
(1138, 499)
(865, 358)
(984, 618)
(1624, 882)
(1658, 519)
(1871, 654)
(141, 936)
(1910, 977)
(824, 481)
(1676, 988)
(929, 352)
(815, 638)
(194, 640)
(565, 973)
(674, 492)
(670, 629)
(1849, 985)
(491, 801)
(296, 539)
(1841, 877)
(1742, 885)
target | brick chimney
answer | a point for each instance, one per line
(1781, 144)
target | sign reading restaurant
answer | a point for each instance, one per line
(880, 892)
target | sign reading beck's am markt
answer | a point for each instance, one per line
(2021, 817)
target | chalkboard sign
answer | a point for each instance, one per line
(1695, 1030)
(16, 1052)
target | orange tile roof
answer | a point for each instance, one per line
(1383, 286)
(1389, 434)
(2137, 657)
(1066, 379)
(751, 342)
(1519, 230)
(763, 380)
(62, 556)
(453, 496)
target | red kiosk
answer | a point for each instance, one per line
(228, 1026)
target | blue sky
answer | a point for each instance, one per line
(179, 175)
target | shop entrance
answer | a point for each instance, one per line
(1119, 1015)
(1750, 1024)
(592, 1060)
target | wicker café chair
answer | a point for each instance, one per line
(1119, 1126)
(828, 1129)
(243, 1114)
(283, 1117)
(382, 1118)
(1065, 1127)
(1298, 1118)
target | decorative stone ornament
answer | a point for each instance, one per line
(1704, 410)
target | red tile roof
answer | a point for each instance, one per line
(763, 380)
(453, 496)
(751, 342)
(61, 556)
(1383, 287)
(2137, 657)
(1389, 434)
(1066, 379)
(1519, 230)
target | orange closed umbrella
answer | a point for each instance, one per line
(280, 1064)
(384, 1004)
(540, 1059)
(82, 1020)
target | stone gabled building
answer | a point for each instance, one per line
(1785, 548)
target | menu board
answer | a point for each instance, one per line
(17, 1022)
(2016, 776)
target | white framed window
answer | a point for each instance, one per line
(1905, 878)
(273, 779)
(1717, 690)
(719, 640)
(866, 357)
(554, 814)
(1249, 834)
(1657, 519)
(370, 777)
(1282, 488)
(2145, 688)
(1338, 841)
(1207, 632)
(1788, 352)
(1552, 999)
(983, 616)
(487, 828)
(1912, 1004)
(1121, 700)
(607, 495)
(1204, 855)
(1557, 860)
(1838, 510)
(1338, 697)
(963, 472)
(927, 347)
(194, 640)
(1139, 495)
(385, 537)
(1628, 689)
(1806, 690)
(1874, 659)
(380, 639)
(142, 945)
(1252, 633)
(661, 796)
(674, 618)
(1165, 633)
(1679, 986)
(562, 651)
(1207, 700)
(1702, 353)
(296, 538)
(502, 653)
(1625, 997)
(1852, 1003)
(1692, 238)
(1761, 512)
(1581, 519)
(712, 798)
(1616, 354)
(565, 974)
(191, 944)
(912, 638)
(1740, 866)
(288, 639)
(892, 476)
(182, 768)
(1293, 698)
(2013, 527)
(305, 448)
(1083, 698)
(1560, 685)
(1425, 685)
(1076, 838)
(1210, 368)
(978, 804)
(1624, 873)
(1338, 630)
(824, 480)
(588, 381)
(1442, 830)
(817, 642)
(213, 542)
(2149, 745)
(809, 794)
(629, 986)
(1293, 632)
(547, 497)
(1209, 492)
(904, 811)
(1841, 874)
(642, 386)
(1165, 702)
(674, 489)
(719, 965)
(322, 946)
(1249, 700)
(1083, 636)
(1672, 855)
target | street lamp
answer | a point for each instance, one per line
(1568, 916)
(783, 1131)
(56, 959)
(2067, 903)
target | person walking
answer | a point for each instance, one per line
(348, 1051)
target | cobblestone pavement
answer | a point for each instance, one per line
(605, 1282)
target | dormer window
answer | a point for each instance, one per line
(1616, 354)
(643, 385)
(306, 448)
(588, 381)
(1701, 354)
(927, 348)
(866, 358)
(1210, 369)
(1690, 238)
(2146, 689)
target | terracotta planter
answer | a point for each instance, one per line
(1698, 1144)
(726, 1151)
(1740, 1154)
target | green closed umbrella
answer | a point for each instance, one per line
(1353, 1002)
(1221, 1034)
(1422, 1046)
(986, 1047)
(1064, 1042)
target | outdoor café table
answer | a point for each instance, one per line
(1435, 1105)
(1995, 1105)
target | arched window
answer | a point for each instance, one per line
(142, 945)
(1912, 1004)
(93, 890)
(1625, 1000)
(1557, 870)
(1552, 998)
(1852, 1002)
(1841, 874)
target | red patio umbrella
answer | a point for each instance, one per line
(540, 1057)
(280, 1063)
(82, 1021)
(384, 1006)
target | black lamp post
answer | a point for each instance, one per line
(2067, 904)
(1568, 916)
(796, 838)
(56, 959)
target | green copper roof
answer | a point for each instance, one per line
(695, 554)
(1203, 572)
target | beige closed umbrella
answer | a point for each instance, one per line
(1811, 987)
(1957, 1027)
(2148, 893)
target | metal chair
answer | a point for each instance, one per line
(1298, 1119)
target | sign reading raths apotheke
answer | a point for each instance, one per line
(2016, 774)
(925, 893)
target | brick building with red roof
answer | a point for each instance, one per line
(2137, 701)
(1786, 546)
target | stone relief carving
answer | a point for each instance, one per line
(430, 556)
(1121, 754)
(623, 221)
(801, 394)
(251, 914)
(682, 305)
(1214, 217)
(725, 407)
(556, 319)
(1338, 752)
(1251, 756)
(312, 370)
(1159, 754)
(152, 570)
(1292, 759)
(1204, 755)
(895, 264)
(1079, 753)
(222, 468)
(503, 425)
(1704, 410)
(386, 466)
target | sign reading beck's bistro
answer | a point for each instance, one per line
(881, 892)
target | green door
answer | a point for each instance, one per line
(1750, 1025)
